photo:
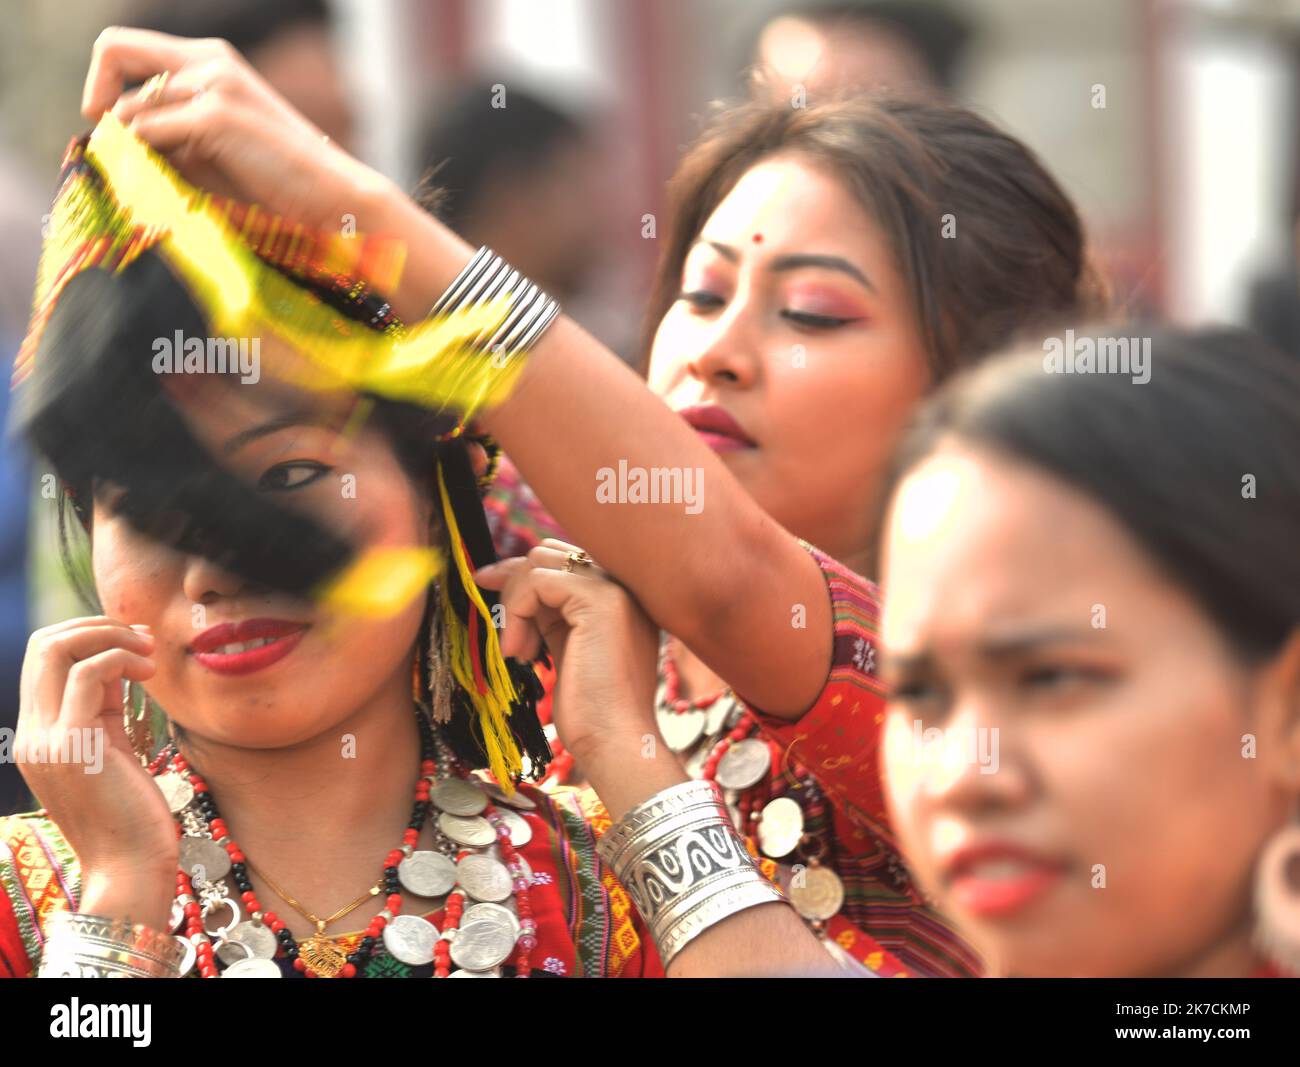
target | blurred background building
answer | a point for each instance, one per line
(1173, 123)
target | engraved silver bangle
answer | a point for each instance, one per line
(683, 864)
(486, 277)
(92, 946)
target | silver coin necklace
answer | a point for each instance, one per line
(475, 861)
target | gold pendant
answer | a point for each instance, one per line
(323, 955)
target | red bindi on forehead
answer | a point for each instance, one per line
(757, 238)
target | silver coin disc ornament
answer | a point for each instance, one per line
(253, 967)
(517, 799)
(681, 729)
(484, 879)
(472, 831)
(204, 857)
(780, 827)
(427, 874)
(744, 764)
(482, 945)
(256, 938)
(520, 832)
(817, 893)
(458, 797)
(176, 790)
(410, 938)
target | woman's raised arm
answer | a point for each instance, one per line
(714, 570)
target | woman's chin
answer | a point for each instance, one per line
(261, 727)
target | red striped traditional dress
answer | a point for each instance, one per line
(838, 741)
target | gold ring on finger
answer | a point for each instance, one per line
(577, 559)
(153, 88)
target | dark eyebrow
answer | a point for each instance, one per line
(725, 251)
(999, 646)
(284, 421)
(797, 260)
(1016, 642)
(802, 259)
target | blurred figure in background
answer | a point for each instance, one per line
(1275, 295)
(517, 174)
(21, 205)
(288, 42)
(859, 45)
(527, 180)
(14, 629)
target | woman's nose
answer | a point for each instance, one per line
(205, 582)
(731, 352)
(971, 763)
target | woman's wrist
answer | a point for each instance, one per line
(135, 897)
(434, 254)
(628, 769)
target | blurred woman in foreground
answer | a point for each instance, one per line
(1095, 582)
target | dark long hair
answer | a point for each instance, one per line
(94, 408)
(1016, 260)
(97, 412)
(1201, 463)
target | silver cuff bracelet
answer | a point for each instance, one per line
(684, 865)
(487, 277)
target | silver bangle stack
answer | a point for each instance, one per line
(487, 277)
(92, 946)
(683, 864)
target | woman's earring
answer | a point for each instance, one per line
(1277, 899)
(136, 720)
(439, 667)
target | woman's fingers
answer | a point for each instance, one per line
(540, 591)
(557, 555)
(559, 546)
(183, 87)
(94, 686)
(495, 575)
(522, 637)
(53, 652)
(563, 598)
(534, 605)
(124, 55)
(190, 123)
(72, 672)
(519, 637)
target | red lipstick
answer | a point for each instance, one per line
(721, 432)
(248, 646)
(997, 878)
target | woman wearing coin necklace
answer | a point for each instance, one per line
(781, 328)
(315, 812)
(726, 565)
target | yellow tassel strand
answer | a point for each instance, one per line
(493, 707)
(432, 363)
(382, 581)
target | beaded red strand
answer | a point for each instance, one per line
(221, 836)
(673, 689)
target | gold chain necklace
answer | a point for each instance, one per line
(322, 954)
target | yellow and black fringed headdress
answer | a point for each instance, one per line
(134, 254)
